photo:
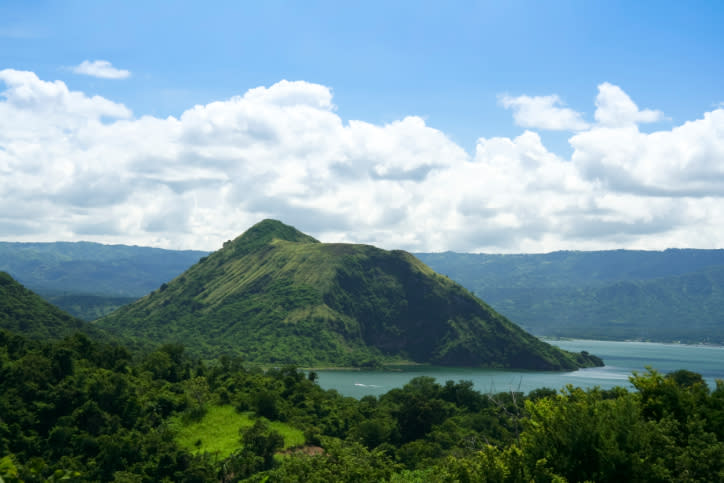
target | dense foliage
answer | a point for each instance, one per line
(276, 295)
(88, 307)
(674, 295)
(24, 312)
(86, 411)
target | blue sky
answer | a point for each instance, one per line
(467, 70)
(441, 61)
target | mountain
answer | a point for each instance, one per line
(276, 295)
(670, 295)
(89, 280)
(24, 312)
(73, 268)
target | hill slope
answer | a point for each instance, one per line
(24, 312)
(277, 295)
(672, 295)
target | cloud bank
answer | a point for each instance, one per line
(78, 167)
(101, 69)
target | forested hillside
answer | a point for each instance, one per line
(79, 409)
(275, 295)
(674, 295)
(85, 411)
(24, 312)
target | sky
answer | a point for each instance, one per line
(496, 127)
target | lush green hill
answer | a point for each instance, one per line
(276, 295)
(672, 295)
(24, 312)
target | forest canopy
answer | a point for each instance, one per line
(91, 411)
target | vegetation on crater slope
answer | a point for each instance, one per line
(275, 295)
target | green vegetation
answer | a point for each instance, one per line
(217, 432)
(277, 296)
(85, 411)
(674, 295)
(88, 307)
(78, 406)
(24, 312)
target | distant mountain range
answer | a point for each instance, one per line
(90, 280)
(275, 295)
(93, 268)
(671, 295)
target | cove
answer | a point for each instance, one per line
(621, 359)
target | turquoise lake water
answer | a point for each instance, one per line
(621, 359)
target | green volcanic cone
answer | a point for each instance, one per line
(275, 295)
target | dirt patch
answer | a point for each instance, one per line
(309, 450)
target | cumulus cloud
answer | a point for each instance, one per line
(614, 108)
(543, 112)
(28, 96)
(74, 166)
(684, 161)
(101, 69)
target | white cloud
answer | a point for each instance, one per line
(79, 167)
(687, 160)
(543, 112)
(101, 69)
(614, 108)
(28, 96)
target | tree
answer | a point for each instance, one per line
(263, 441)
(260, 445)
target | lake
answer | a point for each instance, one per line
(621, 359)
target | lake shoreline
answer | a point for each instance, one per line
(622, 359)
(550, 339)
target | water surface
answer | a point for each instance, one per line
(621, 359)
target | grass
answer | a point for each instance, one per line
(218, 431)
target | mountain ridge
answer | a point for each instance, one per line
(277, 295)
(667, 296)
(675, 295)
(89, 268)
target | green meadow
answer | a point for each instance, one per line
(217, 432)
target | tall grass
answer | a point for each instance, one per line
(217, 432)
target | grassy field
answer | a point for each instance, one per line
(218, 432)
